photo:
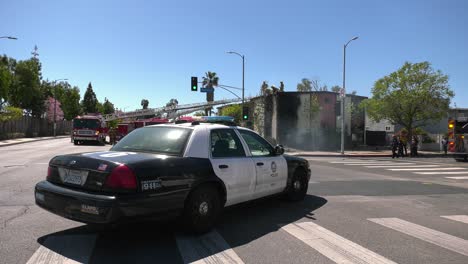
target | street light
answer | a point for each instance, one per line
(9, 37)
(243, 72)
(55, 104)
(344, 96)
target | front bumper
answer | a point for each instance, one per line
(104, 209)
(86, 138)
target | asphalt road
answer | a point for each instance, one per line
(357, 211)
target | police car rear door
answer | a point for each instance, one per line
(271, 169)
(232, 165)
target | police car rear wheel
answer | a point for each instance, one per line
(299, 186)
(202, 209)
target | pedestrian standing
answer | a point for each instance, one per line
(400, 147)
(445, 145)
(394, 147)
(404, 141)
(414, 146)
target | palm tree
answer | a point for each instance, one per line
(210, 80)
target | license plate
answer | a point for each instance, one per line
(77, 177)
(89, 209)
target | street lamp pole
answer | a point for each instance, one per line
(344, 96)
(243, 73)
(55, 104)
(9, 37)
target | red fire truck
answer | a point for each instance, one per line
(458, 138)
(126, 127)
(88, 128)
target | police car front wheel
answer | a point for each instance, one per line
(299, 185)
(202, 209)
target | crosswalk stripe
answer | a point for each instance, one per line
(207, 248)
(67, 249)
(447, 241)
(398, 165)
(459, 218)
(458, 177)
(426, 169)
(369, 164)
(333, 246)
(356, 161)
(442, 172)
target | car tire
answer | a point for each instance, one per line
(75, 142)
(299, 185)
(202, 209)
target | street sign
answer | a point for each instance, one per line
(206, 90)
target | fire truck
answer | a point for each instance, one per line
(88, 128)
(126, 127)
(458, 138)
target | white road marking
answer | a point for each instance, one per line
(66, 249)
(426, 169)
(459, 218)
(333, 246)
(369, 164)
(207, 248)
(356, 161)
(458, 177)
(442, 172)
(409, 166)
(447, 241)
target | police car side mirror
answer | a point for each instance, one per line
(279, 150)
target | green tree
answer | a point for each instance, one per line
(144, 103)
(199, 113)
(107, 107)
(10, 113)
(7, 66)
(25, 91)
(412, 96)
(210, 80)
(304, 86)
(71, 103)
(90, 102)
(336, 89)
(234, 110)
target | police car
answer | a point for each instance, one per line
(192, 170)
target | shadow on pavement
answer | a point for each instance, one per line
(155, 242)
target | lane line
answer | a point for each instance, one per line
(208, 248)
(458, 177)
(409, 166)
(370, 164)
(442, 172)
(444, 240)
(426, 169)
(459, 218)
(356, 161)
(333, 246)
(66, 249)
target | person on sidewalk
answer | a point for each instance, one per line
(394, 147)
(445, 145)
(414, 146)
(404, 141)
(400, 147)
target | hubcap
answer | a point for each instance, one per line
(297, 185)
(203, 209)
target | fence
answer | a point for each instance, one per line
(32, 127)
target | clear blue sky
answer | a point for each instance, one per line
(131, 50)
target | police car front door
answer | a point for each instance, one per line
(232, 166)
(271, 169)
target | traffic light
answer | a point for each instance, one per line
(245, 113)
(194, 86)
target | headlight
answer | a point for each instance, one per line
(97, 133)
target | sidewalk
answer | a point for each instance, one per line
(16, 141)
(357, 154)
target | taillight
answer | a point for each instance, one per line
(122, 177)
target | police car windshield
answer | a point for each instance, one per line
(159, 139)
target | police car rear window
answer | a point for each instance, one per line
(165, 140)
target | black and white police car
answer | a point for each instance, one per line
(191, 170)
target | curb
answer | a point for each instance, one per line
(29, 141)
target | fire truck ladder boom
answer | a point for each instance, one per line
(189, 108)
